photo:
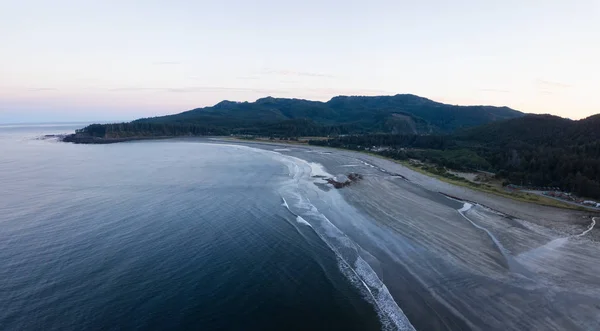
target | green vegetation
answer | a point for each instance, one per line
(135, 129)
(443, 175)
(531, 150)
(534, 150)
(293, 118)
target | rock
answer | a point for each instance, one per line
(344, 181)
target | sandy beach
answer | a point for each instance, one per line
(479, 263)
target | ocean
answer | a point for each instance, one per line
(175, 235)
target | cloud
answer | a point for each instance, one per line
(162, 63)
(196, 89)
(546, 84)
(221, 89)
(546, 92)
(133, 89)
(492, 90)
(248, 77)
(295, 91)
(41, 89)
(295, 73)
(345, 91)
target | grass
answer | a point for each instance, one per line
(487, 188)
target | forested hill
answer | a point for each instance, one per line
(540, 130)
(402, 113)
(544, 150)
(535, 150)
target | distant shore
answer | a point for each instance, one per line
(91, 140)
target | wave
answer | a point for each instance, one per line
(293, 192)
(317, 170)
(350, 263)
(301, 220)
(285, 204)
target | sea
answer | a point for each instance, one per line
(174, 235)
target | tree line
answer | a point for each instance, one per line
(573, 168)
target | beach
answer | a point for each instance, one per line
(214, 233)
(457, 259)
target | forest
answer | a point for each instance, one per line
(535, 150)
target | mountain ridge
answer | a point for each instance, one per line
(357, 113)
(285, 117)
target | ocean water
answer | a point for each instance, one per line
(173, 235)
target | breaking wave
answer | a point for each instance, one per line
(303, 175)
(350, 263)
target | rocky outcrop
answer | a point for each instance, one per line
(348, 180)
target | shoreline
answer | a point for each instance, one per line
(73, 138)
(444, 272)
(531, 210)
(436, 263)
(435, 184)
(559, 205)
(561, 217)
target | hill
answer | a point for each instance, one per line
(402, 113)
(543, 150)
(398, 114)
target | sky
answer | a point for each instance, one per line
(120, 60)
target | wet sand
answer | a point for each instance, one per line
(491, 264)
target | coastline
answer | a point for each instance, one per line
(509, 206)
(491, 271)
(490, 266)
(90, 140)
(537, 200)
(568, 220)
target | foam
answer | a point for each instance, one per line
(367, 164)
(354, 267)
(465, 207)
(317, 170)
(357, 270)
(301, 220)
(588, 229)
(285, 204)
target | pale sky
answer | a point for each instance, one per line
(119, 60)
